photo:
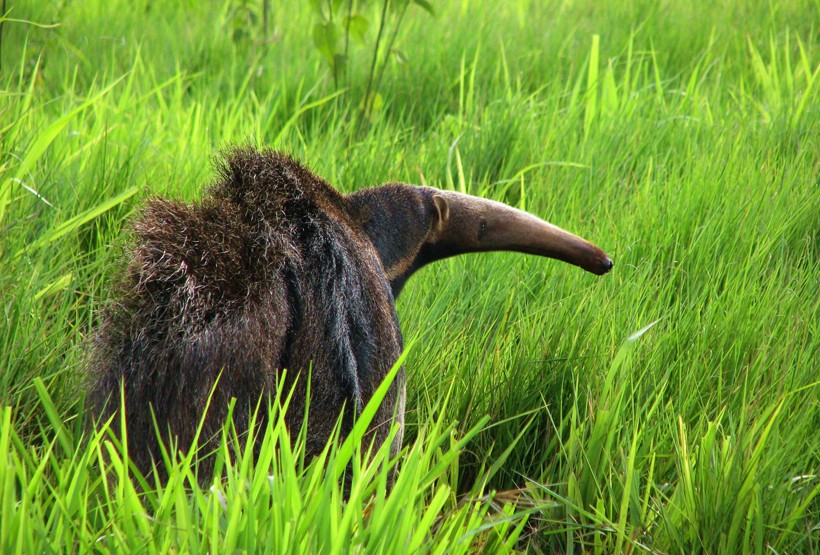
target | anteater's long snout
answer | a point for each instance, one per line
(477, 224)
(523, 232)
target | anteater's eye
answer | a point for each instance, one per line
(482, 227)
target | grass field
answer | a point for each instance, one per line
(681, 137)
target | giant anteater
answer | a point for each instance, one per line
(274, 270)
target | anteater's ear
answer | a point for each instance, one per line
(442, 212)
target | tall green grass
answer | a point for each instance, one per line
(79, 493)
(680, 137)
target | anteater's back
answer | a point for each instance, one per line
(269, 271)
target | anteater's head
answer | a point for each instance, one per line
(413, 226)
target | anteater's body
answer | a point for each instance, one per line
(269, 273)
(276, 270)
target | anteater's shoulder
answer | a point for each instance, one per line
(270, 185)
(226, 248)
(195, 251)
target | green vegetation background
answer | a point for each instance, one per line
(681, 137)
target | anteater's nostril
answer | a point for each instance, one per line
(607, 264)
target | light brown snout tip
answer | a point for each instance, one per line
(604, 265)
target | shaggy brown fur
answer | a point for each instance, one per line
(268, 272)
